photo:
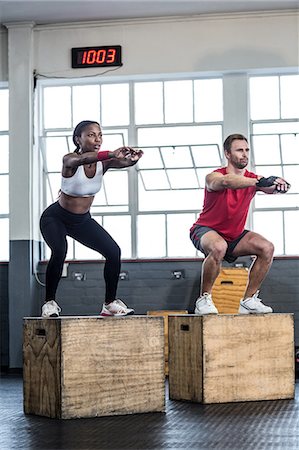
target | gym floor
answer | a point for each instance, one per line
(231, 426)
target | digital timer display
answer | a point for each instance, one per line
(104, 56)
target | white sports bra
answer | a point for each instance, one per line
(79, 185)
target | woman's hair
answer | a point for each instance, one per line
(229, 140)
(78, 131)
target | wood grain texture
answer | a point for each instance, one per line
(248, 357)
(165, 313)
(230, 358)
(185, 358)
(229, 288)
(41, 367)
(106, 366)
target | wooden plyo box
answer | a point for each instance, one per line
(229, 288)
(231, 358)
(93, 366)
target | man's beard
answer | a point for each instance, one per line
(240, 165)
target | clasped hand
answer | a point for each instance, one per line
(128, 153)
(281, 185)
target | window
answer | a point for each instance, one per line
(177, 123)
(275, 143)
(4, 169)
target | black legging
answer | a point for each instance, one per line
(56, 223)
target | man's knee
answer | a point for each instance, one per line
(265, 249)
(218, 251)
(268, 249)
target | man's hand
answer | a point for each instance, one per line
(280, 185)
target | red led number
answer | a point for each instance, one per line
(99, 57)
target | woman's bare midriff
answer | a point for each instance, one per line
(76, 205)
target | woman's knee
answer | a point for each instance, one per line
(114, 253)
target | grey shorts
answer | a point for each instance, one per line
(197, 233)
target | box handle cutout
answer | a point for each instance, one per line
(227, 282)
(40, 332)
(185, 327)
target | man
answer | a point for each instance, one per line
(219, 231)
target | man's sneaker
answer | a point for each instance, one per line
(116, 308)
(253, 305)
(50, 309)
(205, 305)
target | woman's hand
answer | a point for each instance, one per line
(122, 157)
(127, 153)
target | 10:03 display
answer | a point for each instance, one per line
(104, 56)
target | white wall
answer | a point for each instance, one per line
(196, 44)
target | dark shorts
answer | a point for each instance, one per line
(197, 233)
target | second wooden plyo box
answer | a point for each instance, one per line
(231, 358)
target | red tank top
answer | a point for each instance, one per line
(226, 211)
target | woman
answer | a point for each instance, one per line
(82, 173)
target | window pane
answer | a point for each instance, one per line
(115, 104)
(86, 103)
(148, 102)
(151, 239)
(113, 139)
(4, 204)
(276, 201)
(176, 200)
(291, 174)
(151, 159)
(57, 107)
(4, 154)
(208, 100)
(116, 186)
(206, 155)
(4, 239)
(291, 223)
(184, 135)
(269, 224)
(55, 148)
(183, 178)
(289, 96)
(178, 101)
(119, 227)
(53, 187)
(178, 240)
(264, 98)
(266, 150)
(4, 114)
(176, 156)
(276, 128)
(154, 179)
(82, 252)
(290, 148)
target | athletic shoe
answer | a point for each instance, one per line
(205, 305)
(116, 308)
(50, 309)
(253, 305)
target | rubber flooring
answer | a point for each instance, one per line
(230, 426)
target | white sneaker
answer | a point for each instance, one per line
(205, 305)
(116, 308)
(253, 305)
(50, 309)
